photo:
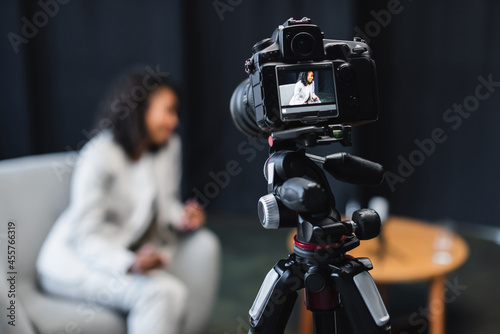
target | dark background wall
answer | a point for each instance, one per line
(430, 56)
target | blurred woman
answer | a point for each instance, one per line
(126, 241)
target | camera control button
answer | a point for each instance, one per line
(346, 72)
(352, 101)
(359, 49)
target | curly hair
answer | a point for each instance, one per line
(124, 107)
(303, 78)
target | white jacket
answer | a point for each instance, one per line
(303, 94)
(106, 214)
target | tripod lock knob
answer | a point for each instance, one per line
(269, 213)
(367, 224)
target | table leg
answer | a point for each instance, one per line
(436, 306)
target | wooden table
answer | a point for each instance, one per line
(410, 251)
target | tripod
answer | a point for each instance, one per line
(339, 291)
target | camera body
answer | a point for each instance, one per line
(343, 88)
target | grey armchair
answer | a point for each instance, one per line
(33, 192)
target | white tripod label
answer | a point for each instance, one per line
(371, 296)
(263, 296)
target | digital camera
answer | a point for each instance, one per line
(298, 79)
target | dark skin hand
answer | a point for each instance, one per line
(194, 216)
(146, 259)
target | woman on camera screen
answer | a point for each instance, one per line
(304, 90)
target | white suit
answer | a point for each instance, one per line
(112, 204)
(303, 94)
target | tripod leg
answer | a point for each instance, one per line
(364, 309)
(341, 322)
(324, 322)
(277, 295)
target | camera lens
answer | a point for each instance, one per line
(243, 111)
(303, 44)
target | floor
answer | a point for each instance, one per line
(250, 251)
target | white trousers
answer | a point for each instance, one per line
(178, 299)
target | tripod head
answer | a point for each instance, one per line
(299, 194)
(338, 289)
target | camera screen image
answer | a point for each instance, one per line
(306, 91)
